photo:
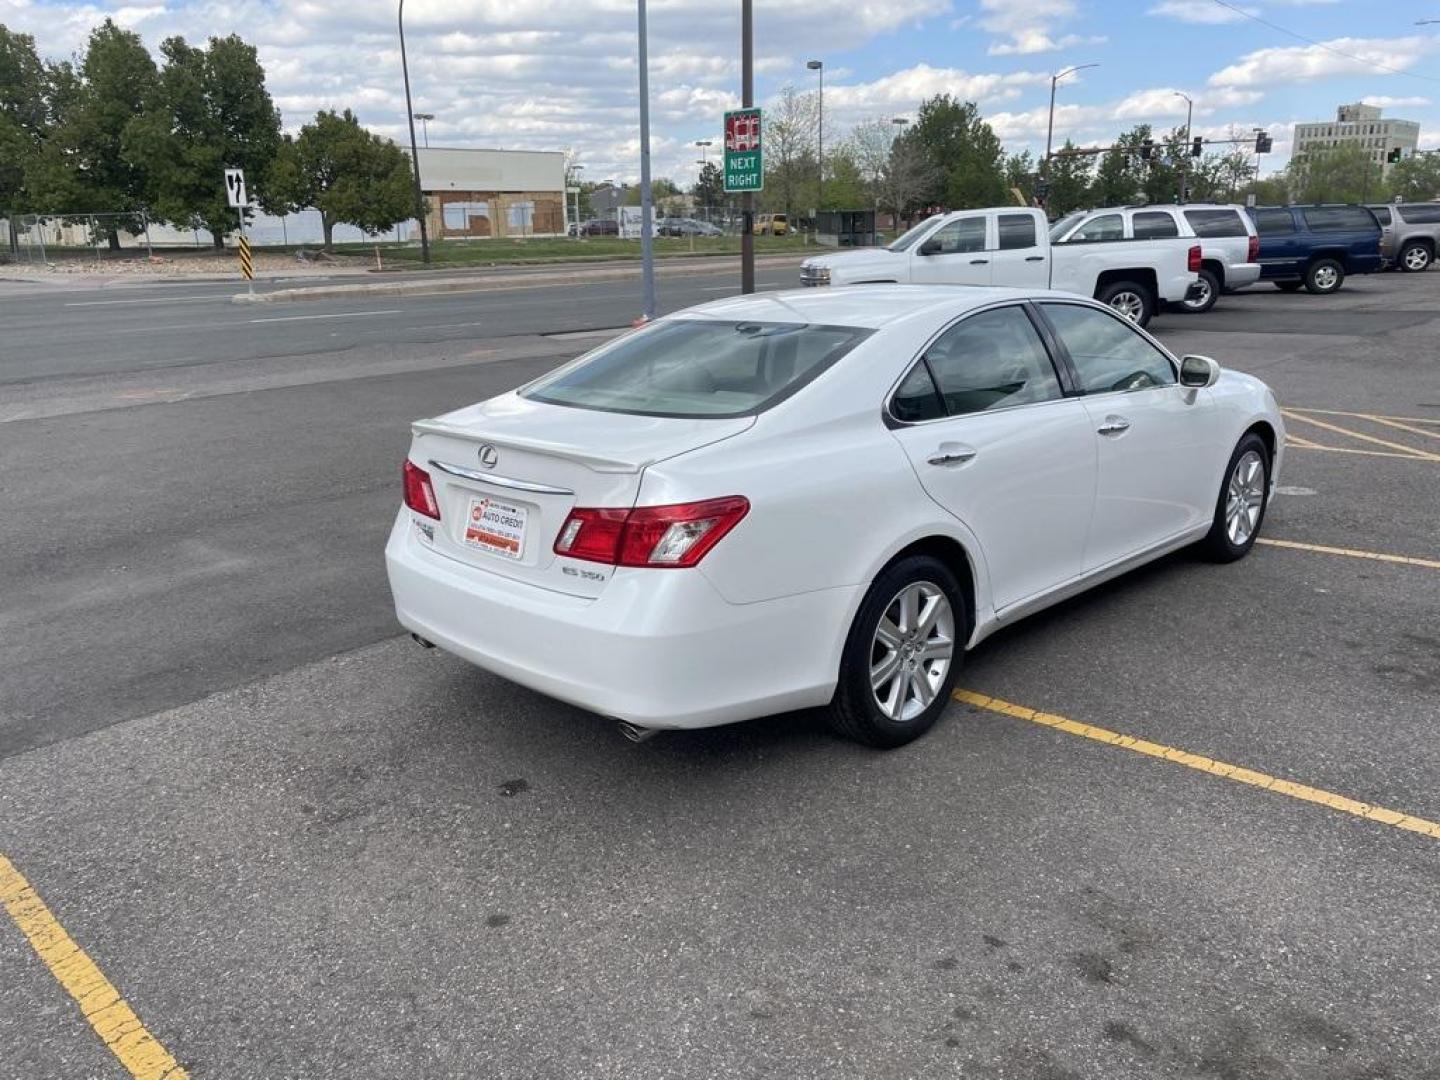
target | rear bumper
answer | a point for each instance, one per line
(659, 648)
(1240, 275)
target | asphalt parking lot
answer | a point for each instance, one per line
(1185, 825)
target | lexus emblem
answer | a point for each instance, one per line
(489, 456)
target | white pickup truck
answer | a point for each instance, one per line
(1011, 246)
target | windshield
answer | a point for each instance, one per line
(698, 368)
(907, 238)
(1064, 225)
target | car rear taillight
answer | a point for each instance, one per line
(671, 536)
(1194, 263)
(419, 492)
(1252, 253)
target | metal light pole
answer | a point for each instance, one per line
(414, 150)
(647, 253)
(575, 183)
(1050, 125)
(425, 118)
(1185, 172)
(818, 66)
(747, 100)
(703, 144)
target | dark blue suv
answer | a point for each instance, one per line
(1316, 246)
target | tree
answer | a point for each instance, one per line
(869, 147)
(23, 113)
(214, 113)
(1324, 174)
(963, 149)
(845, 186)
(350, 175)
(1069, 181)
(1415, 178)
(1020, 173)
(1122, 175)
(790, 130)
(909, 179)
(709, 189)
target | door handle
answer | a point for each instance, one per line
(978, 262)
(1114, 425)
(1034, 258)
(952, 457)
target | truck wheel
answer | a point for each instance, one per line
(1289, 286)
(1415, 257)
(1209, 293)
(1324, 276)
(1130, 299)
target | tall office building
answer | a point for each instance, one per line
(1360, 125)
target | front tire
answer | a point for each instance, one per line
(1209, 293)
(1130, 299)
(902, 656)
(1324, 276)
(1415, 257)
(1240, 507)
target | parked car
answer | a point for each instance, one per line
(600, 227)
(1087, 254)
(771, 224)
(688, 227)
(1315, 247)
(1229, 245)
(817, 498)
(1409, 234)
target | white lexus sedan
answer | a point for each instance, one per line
(817, 498)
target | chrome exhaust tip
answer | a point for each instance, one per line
(421, 641)
(637, 734)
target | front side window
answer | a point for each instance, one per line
(1109, 354)
(1154, 224)
(910, 236)
(698, 368)
(1016, 231)
(1103, 227)
(958, 237)
(1216, 222)
(991, 360)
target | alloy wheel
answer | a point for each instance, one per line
(912, 650)
(1129, 304)
(1202, 298)
(1326, 278)
(1244, 498)
(1416, 258)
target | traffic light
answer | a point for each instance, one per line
(1147, 150)
(1263, 142)
(1197, 147)
(1393, 156)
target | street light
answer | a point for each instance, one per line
(1050, 126)
(425, 118)
(1185, 172)
(819, 67)
(702, 144)
(414, 150)
(575, 183)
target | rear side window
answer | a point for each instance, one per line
(1382, 214)
(1216, 222)
(992, 360)
(1154, 224)
(1338, 218)
(1103, 227)
(1016, 231)
(1421, 213)
(697, 368)
(1272, 222)
(1108, 352)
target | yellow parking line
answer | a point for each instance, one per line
(1353, 553)
(1425, 454)
(100, 1003)
(1206, 765)
(1391, 422)
(1289, 441)
(1371, 416)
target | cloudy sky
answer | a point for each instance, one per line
(562, 74)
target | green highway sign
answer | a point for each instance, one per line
(744, 155)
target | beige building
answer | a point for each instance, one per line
(1361, 125)
(493, 193)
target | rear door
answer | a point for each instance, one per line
(1018, 259)
(1282, 249)
(958, 253)
(983, 417)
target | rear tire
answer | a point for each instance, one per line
(902, 655)
(1130, 299)
(1210, 285)
(1415, 257)
(1324, 276)
(1289, 286)
(1241, 504)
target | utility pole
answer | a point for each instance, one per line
(1185, 171)
(1050, 124)
(747, 100)
(647, 253)
(819, 67)
(414, 150)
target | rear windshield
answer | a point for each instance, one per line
(1216, 223)
(1338, 218)
(698, 368)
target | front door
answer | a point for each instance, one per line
(955, 254)
(1158, 472)
(993, 440)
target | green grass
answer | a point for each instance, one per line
(567, 249)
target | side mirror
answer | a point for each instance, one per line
(930, 247)
(1199, 372)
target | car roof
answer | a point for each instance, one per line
(867, 306)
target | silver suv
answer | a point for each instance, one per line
(1409, 234)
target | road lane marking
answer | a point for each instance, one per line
(1206, 765)
(1372, 416)
(100, 1003)
(219, 298)
(1352, 450)
(333, 315)
(1353, 553)
(1291, 439)
(1409, 450)
(1390, 422)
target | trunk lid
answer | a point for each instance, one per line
(507, 473)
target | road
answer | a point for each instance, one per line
(300, 846)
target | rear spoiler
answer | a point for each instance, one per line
(591, 461)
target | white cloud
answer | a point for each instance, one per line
(1202, 12)
(1383, 102)
(1029, 42)
(1306, 63)
(1027, 25)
